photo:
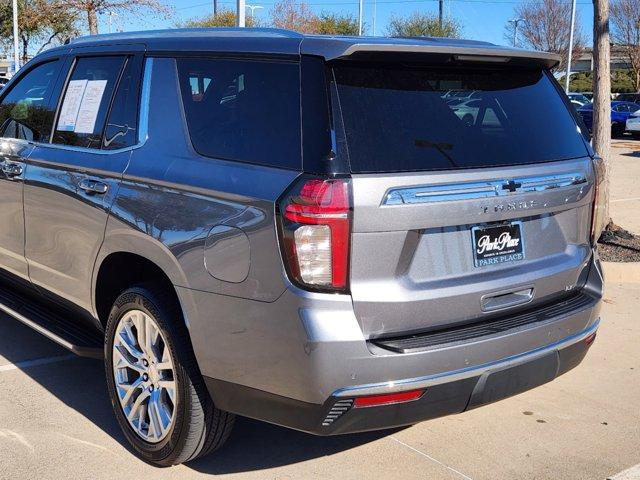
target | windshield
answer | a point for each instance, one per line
(403, 118)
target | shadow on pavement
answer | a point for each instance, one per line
(80, 384)
(257, 445)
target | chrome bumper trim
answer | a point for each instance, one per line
(475, 371)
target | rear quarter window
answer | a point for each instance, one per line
(426, 117)
(243, 110)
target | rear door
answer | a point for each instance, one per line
(73, 179)
(461, 211)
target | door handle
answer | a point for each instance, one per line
(94, 186)
(12, 169)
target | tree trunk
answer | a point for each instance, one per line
(92, 17)
(602, 82)
(25, 50)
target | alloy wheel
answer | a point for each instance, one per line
(144, 376)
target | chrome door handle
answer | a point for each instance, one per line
(12, 169)
(94, 186)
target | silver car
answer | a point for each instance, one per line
(298, 229)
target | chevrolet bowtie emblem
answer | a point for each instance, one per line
(511, 186)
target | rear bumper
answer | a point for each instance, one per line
(445, 394)
(633, 125)
(292, 361)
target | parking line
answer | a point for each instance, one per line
(632, 473)
(35, 363)
(625, 200)
(431, 458)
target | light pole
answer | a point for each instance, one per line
(111, 14)
(440, 14)
(573, 22)
(253, 8)
(375, 8)
(360, 12)
(16, 53)
(516, 22)
(241, 13)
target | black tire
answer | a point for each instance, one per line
(199, 427)
(635, 135)
(617, 130)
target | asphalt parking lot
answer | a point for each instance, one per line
(56, 421)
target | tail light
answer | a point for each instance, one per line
(315, 225)
(600, 200)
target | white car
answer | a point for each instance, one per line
(633, 124)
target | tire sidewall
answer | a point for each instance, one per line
(140, 299)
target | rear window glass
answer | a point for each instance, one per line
(431, 118)
(243, 110)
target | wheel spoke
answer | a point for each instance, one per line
(127, 342)
(155, 416)
(125, 361)
(168, 386)
(129, 390)
(137, 404)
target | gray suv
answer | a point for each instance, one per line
(303, 230)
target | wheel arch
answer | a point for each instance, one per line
(126, 259)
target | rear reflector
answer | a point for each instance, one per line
(590, 339)
(388, 399)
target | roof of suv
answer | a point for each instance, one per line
(276, 41)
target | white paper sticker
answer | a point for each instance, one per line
(71, 105)
(88, 113)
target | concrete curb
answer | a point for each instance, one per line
(621, 272)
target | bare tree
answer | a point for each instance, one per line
(293, 15)
(91, 8)
(547, 25)
(625, 22)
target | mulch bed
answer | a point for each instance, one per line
(618, 245)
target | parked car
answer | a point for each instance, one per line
(3, 82)
(633, 124)
(629, 97)
(298, 229)
(620, 112)
(588, 95)
(578, 99)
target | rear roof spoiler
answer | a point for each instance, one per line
(459, 51)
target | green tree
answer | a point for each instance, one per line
(423, 25)
(224, 18)
(41, 22)
(335, 24)
(622, 81)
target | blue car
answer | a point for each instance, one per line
(620, 112)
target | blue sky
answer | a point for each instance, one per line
(481, 19)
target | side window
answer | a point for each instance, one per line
(243, 110)
(122, 126)
(24, 111)
(86, 101)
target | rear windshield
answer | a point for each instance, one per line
(432, 118)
